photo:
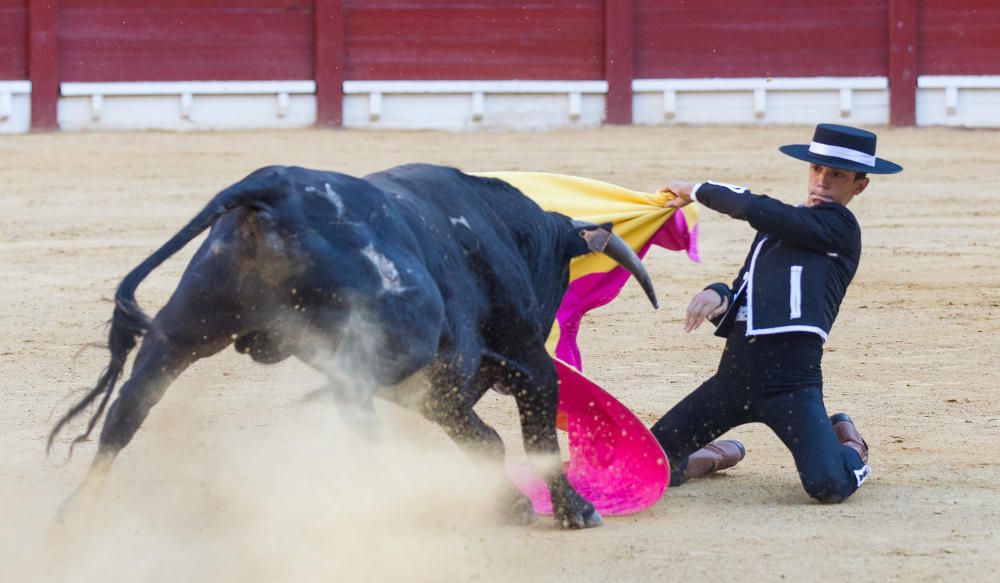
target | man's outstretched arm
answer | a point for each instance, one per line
(828, 227)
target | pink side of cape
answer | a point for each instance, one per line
(614, 461)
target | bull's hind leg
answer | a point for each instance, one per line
(535, 386)
(157, 364)
(175, 340)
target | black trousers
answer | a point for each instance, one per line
(775, 380)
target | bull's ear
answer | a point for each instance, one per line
(595, 236)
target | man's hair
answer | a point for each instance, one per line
(860, 175)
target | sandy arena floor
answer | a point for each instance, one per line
(231, 478)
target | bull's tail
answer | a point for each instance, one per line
(128, 322)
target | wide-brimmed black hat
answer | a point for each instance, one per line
(842, 147)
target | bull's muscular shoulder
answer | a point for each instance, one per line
(419, 177)
(415, 173)
(442, 188)
(488, 214)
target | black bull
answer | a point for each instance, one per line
(461, 277)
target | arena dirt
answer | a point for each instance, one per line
(232, 478)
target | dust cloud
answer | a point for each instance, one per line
(291, 494)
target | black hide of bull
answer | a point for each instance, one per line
(454, 275)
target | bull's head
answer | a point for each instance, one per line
(600, 239)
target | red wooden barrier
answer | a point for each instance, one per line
(329, 63)
(458, 39)
(902, 62)
(186, 40)
(43, 63)
(49, 41)
(760, 38)
(13, 34)
(958, 37)
(619, 59)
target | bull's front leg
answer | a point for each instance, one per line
(450, 403)
(537, 396)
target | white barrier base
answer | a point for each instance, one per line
(782, 108)
(15, 107)
(958, 100)
(456, 112)
(210, 112)
(970, 101)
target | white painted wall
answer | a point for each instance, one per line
(861, 100)
(956, 100)
(456, 112)
(164, 112)
(782, 107)
(15, 107)
(203, 105)
(472, 105)
(972, 101)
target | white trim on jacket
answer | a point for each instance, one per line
(751, 331)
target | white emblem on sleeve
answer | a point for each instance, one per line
(734, 188)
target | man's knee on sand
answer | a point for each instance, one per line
(832, 486)
(826, 493)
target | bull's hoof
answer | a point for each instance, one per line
(587, 518)
(516, 508)
(570, 508)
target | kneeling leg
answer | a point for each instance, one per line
(712, 409)
(830, 472)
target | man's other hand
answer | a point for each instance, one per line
(707, 303)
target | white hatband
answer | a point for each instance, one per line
(841, 152)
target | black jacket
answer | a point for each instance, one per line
(798, 267)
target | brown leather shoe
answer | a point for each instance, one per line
(716, 456)
(848, 434)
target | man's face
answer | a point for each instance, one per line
(833, 185)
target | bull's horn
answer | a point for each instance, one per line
(619, 250)
(604, 241)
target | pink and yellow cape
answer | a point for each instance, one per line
(613, 459)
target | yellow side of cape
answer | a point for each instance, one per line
(636, 216)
